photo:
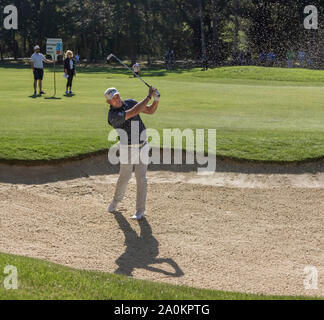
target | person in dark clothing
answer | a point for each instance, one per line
(242, 58)
(167, 60)
(248, 58)
(124, 117)
(204, 61)
(263, 58)
(69, 70)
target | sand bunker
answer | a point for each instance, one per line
(251, 232)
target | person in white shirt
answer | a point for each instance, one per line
(136, 68)
(36, 62)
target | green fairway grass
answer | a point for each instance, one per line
(40, 280)
(267, 114)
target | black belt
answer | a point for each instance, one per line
(141, 145)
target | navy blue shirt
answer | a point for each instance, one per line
(116, 118)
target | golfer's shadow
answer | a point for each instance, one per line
(141, 251)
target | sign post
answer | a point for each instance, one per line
(54, 78)
(54, 47)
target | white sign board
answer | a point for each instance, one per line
(54, 47)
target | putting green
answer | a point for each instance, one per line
(260, 113)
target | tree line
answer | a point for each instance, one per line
(219, 29)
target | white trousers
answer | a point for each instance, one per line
(131, 157)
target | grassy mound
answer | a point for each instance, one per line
(40, 280)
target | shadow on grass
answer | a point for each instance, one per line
(154, 71)
(119, 70)
(142, 251)
(122, 71)
(97, 164)
(52, 98)
(35, 96)
(17, 65)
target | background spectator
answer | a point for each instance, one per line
(77, 59)
(263, 58)
(69, 70)
(302, 58)
(137, 68)
(242, 58)
(271, 59)
(248, 58)
(291, 59)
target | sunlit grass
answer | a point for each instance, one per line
(41, 280)
(266, 114)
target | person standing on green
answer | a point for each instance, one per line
(69, 70)
(291, 56)
(36, 62)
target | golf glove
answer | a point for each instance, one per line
(157, 96)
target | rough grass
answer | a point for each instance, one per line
(267, 114)
(41, 280)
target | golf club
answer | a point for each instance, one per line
(132, 71)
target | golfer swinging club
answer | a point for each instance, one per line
(124, 116)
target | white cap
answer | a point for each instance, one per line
(110, 93)
(36, 48)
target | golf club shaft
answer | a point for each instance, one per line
(132, 71)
